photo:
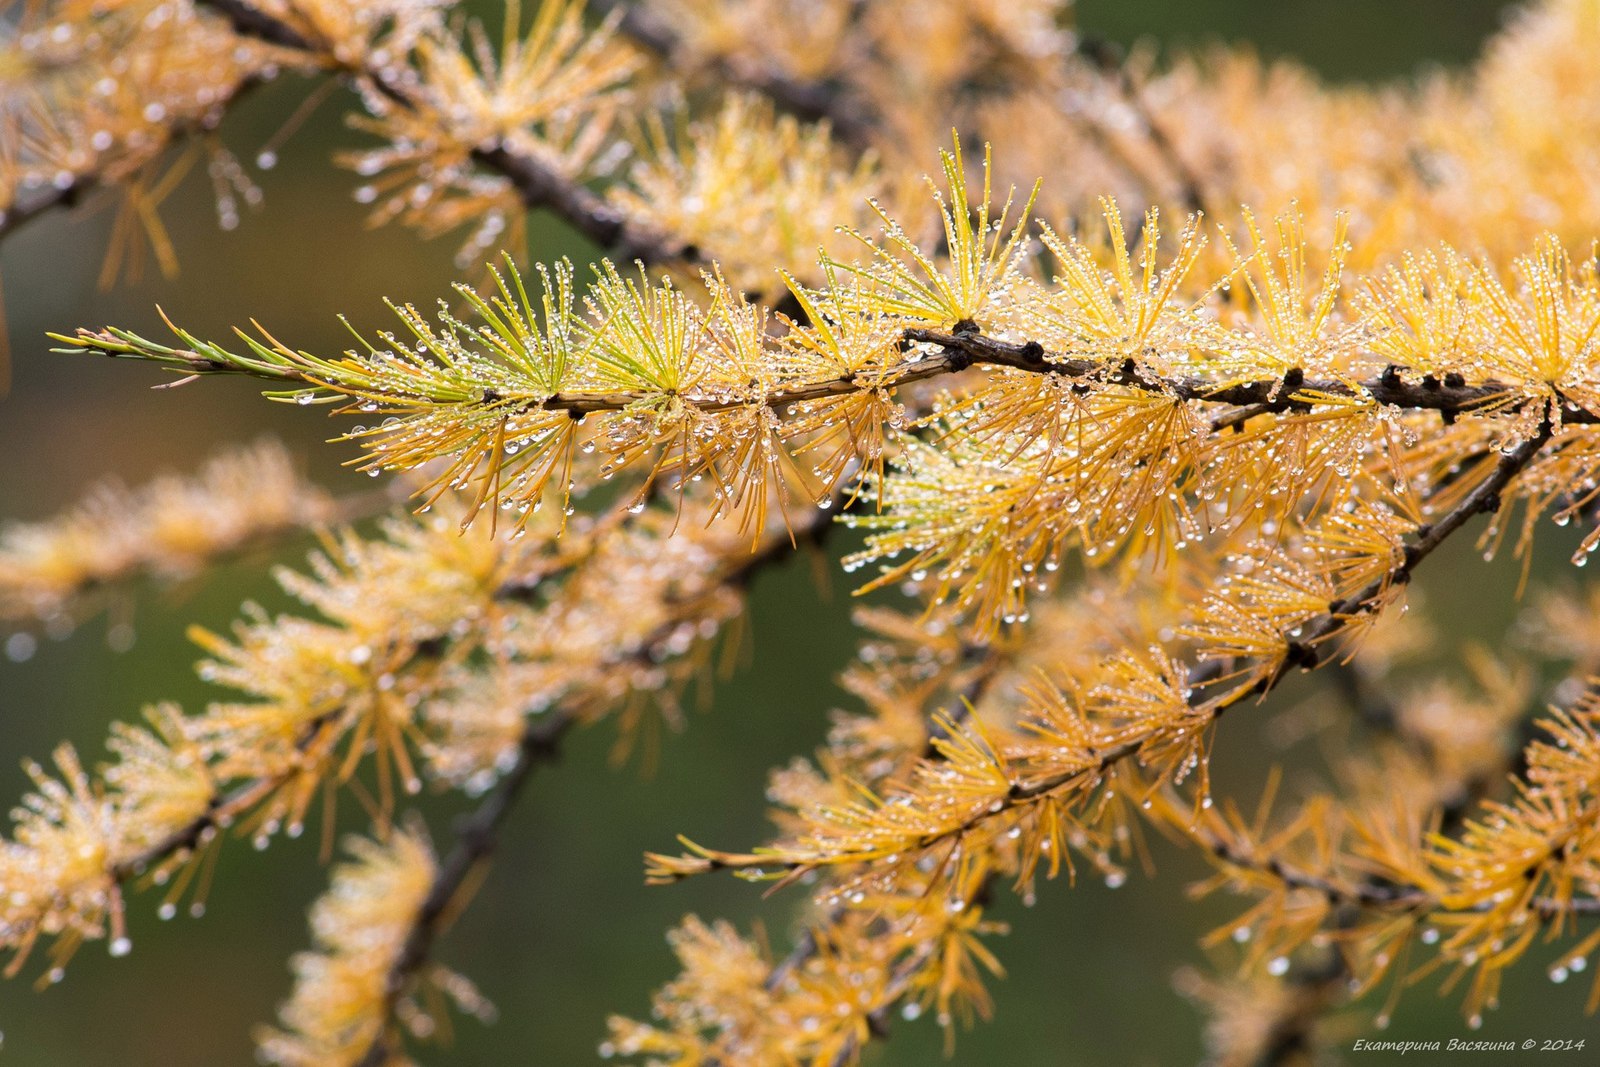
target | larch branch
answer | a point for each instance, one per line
(954, 352)
(1363, 894)
(1301, 652)
(987, 657)
(87, 183)
(1261, 396)
(477, 835)
(537, 184)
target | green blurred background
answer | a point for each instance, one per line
(563, 932)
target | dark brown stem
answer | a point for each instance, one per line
(248, 21)
(1266, 395)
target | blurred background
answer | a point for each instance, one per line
(563, 932)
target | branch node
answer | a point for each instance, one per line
(1302, 655)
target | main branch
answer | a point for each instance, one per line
(953, 352)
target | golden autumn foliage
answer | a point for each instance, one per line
(1157, 393)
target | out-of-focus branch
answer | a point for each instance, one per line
(477, 835)
(1111, 61)
(537, 184)
(809, 100)
(83, 185)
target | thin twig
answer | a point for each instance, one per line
(1290, 393)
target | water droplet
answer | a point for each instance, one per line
(1278, 966)
(20, 647)
(121, 946)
